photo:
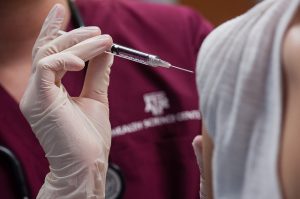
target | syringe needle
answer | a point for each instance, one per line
(183, 69)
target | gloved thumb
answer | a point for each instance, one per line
(97, 76)
(198, 149)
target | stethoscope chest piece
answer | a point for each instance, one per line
(115, 185)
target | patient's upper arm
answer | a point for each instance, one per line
(289, 163)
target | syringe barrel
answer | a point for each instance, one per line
(130, 54)
(134, 55)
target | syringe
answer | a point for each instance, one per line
(138, 56)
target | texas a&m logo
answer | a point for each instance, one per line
(156, 102)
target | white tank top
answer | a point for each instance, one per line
(239, 81)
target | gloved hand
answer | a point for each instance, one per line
(74, 132)
(198, 149)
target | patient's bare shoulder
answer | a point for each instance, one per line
(291, 50)
(289, 163)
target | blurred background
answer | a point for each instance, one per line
(217, 11)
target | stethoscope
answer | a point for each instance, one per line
(75, 15)
(115, 181)
(17, 171)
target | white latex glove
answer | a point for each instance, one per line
(198, 149)
(74, 132)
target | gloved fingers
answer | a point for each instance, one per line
(97, 78)
(68, 40)
(51, 69)
(49, 30)
(71, 59)
(198, 150)
(91, 47)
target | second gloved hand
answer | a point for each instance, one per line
(74, 132)
(198, 149)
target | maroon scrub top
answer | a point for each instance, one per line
(153, 111)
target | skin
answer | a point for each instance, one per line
(20, 28)
(289, 162)
(289, 158)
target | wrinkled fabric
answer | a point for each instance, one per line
(239, 78)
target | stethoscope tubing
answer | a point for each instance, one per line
(17, 171)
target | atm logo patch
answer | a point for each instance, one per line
(156, 103)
